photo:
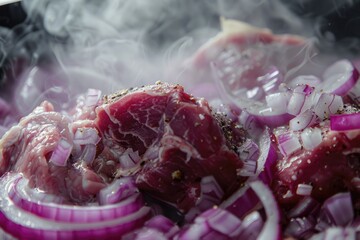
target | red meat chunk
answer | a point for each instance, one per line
(176, 137)
(28, 146)
(331, 167)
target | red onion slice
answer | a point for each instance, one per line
(267, 159)
(339, 78)
(35, 194)
(76, 214)
(251, 226)
(24, 225)
(345, 122)
(271, 229)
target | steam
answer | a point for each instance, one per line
(68, 46)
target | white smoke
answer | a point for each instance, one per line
(114, 44)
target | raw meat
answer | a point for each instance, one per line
(177, 139)
(331, 167)
(165, 138)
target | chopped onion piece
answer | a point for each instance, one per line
(339, 78)
(303, 120)
(215, 221)
(249, 153)
(336, 233)
(250, 123)
(278, 100)
(224, 222)
(61, 153)
(249, 150)
(304, 207)
(327, 105)
(350, 134)
(300, 228)
(92, 97)
(163, 224)
(288, 143)
(85, 136)
(272, 117)
(129, 159)
(146, 233)
(249, 168)
(338, 210)
(354, 93)
(311, 138)
(117, 191)
(241, 202)
(244, 200)
(297, 99)
(304, 189)
(345, 122)
(88, 154)
(211, 193)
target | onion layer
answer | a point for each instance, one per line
(345, 122)
(24, 224)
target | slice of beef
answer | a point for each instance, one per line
(248, 62)
(331, 167)
(176, 139)
(28, 147)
